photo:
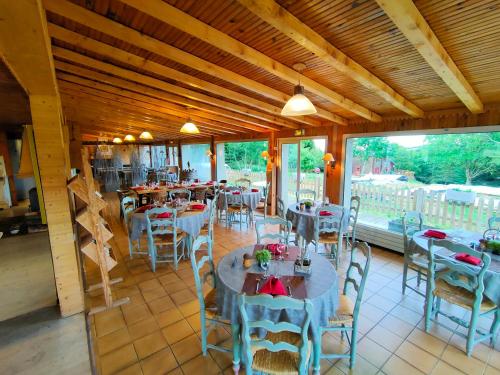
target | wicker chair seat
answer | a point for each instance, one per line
(328, 238)
(211, 306)
(345, 312)
(282, 362)
(460, 296)
(168, 239)
(244, 208)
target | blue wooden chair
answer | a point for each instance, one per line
(180, 193)
(327, 230)
(350, 234)
(237, 208)
(163, 233)
(282, 235)
(261, 208)
(461, 284)
(494, 222)
(128, 207)
(208, 228)
(208, 304)
(243, 182)
(302, 194)
(286, 348)
(345, 319)
(412, 223)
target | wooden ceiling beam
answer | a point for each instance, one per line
(175, 109)
(415, 28)
(192, 26)
(129, 35)
(288, 24)
(159, 89)
(117, 54)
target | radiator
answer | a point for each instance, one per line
(380, 237)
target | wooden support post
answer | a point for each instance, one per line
(54, 169)
(334, 177)
(213, 159)
(271, 176)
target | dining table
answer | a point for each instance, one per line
(420, 243)
(148, 190)
(250, 198)
(320, 287)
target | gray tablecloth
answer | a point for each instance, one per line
(419, 244)
(321, 286)
(189, 221)
(251, 199)
(303, 221)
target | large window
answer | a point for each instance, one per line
(451, 178)
(158, 156)
(194, 156)
(242, 160)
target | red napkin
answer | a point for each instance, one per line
(164, 215)
(275, 247)
(467, 258)
(325, 213)
(255, 190)
(194, 184)
(156, 188)
(236, 192)
(274, 287)
(210, 183)
(144, 208)
(198, 206)
(435, 234)
(136, 188)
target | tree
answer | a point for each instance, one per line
(373, 147)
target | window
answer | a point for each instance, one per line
(196, 156)
(159, 156)
(242, 160)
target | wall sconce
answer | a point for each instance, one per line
(265, 155)
(329, 160)
(210, 154)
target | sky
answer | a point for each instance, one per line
(407, 141)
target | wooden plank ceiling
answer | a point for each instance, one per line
(132, 65)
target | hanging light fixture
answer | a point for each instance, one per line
(190, 128)
(129, 138)
(147, 136)
(117, 140)
(298, 104)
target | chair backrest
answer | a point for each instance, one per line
(243, 182)
(277, 303)
(412, 222)
(280, 208)
(200, 193)
(212, 214)
(159, 226)
(357, 272)
(284, 234)
(128, 206)
(354, 210)
(494, 222)
(200, 277)
(332, 223)
(305, 194)
(181, 193)
(457, 273)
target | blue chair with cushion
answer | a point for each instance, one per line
(461, 284)
(180, 193)
(162, 234)
(285, 349)
(412, 223)
(207, 301)
(304, 194)
(328, 224)
(345, 319)
(282, 235)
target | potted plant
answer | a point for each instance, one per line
(308, 204)
(263, 257)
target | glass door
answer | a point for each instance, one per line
(301, 166)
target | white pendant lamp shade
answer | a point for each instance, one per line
(298, 104)
(190, 128)
(146, 136)
(117, 140)
(129, 138)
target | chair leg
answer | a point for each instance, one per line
(175, 255)
(429, 303)
(419, 278)
(153, 258)
(203, 334)
(438, 306)
(494, 327)
(471, 335)
(405, 276)
(354, 339)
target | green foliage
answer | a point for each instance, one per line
(263, 256)
(245, 155)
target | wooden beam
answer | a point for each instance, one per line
(132, 36)
(192, 26)
(302, 34)
(413, 25)
(160, 89)
(117, 54)
(25, 46)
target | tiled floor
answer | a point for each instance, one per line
(158, 331)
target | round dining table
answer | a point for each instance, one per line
(249, 198)
(420, 243)
(321, 287)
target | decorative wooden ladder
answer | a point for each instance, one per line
(96, 245)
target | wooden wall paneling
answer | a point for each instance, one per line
(4, 151)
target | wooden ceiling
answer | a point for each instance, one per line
(14, 104)
(132, 65)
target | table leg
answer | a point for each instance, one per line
(235, 329)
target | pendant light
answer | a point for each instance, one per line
(117, 140)
(190, 128)
(145, 135)
(129, 138)
(298, 104)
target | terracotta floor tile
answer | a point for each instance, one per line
(113, 340)
(109, 321)
(190, 308)
(182, 297)
(143, 328)
(442, 368)
(386, 338)
(147, 345)
(175, 286)
(177, 331)
(135, 369)
(417, 357)
(457, 358)
(201, 365)
(136, 313)
(491, 371)
(159, 363)
(427, 342)
(161, 304)
(373, 352)
(187, 349)
(152, 294)
(168, 317)
(397, 366)
(118, 359)
(169, 278)
(149, 285)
